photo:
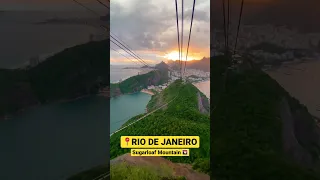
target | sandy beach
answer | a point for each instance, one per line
(302, 81)
(147, 91)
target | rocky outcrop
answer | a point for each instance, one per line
(156, 162)
(203, 104)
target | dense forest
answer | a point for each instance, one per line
(74, 72)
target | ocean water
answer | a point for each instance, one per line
(117, 72)
(204, 87)
(55, 141)
(125, 107)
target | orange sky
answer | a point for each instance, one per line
(172, 54)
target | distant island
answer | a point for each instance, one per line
(131, 68)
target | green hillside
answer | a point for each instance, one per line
(137, 83)
(74, 72)
(181, 117)
(248, 129)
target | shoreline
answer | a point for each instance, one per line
(147, 92)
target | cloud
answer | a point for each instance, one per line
(151, 26)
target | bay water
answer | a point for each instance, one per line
(124, 107)
(55, 141)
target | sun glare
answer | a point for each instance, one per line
(174, 55)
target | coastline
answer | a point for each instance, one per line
(147, 92)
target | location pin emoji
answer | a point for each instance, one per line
(127, 140)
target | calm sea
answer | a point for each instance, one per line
(117, 72)
(125, 107)
(204, 87)
(53, 142)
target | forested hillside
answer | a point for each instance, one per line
(72, 73)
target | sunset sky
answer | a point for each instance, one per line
(149, 28)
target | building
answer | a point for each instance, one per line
(151, 87)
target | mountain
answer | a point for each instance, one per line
(203, 64)
(74, 72)
(139, 82)
(162, 66)
(259, 130)
(78, 71)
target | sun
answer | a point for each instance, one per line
(174, 55)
